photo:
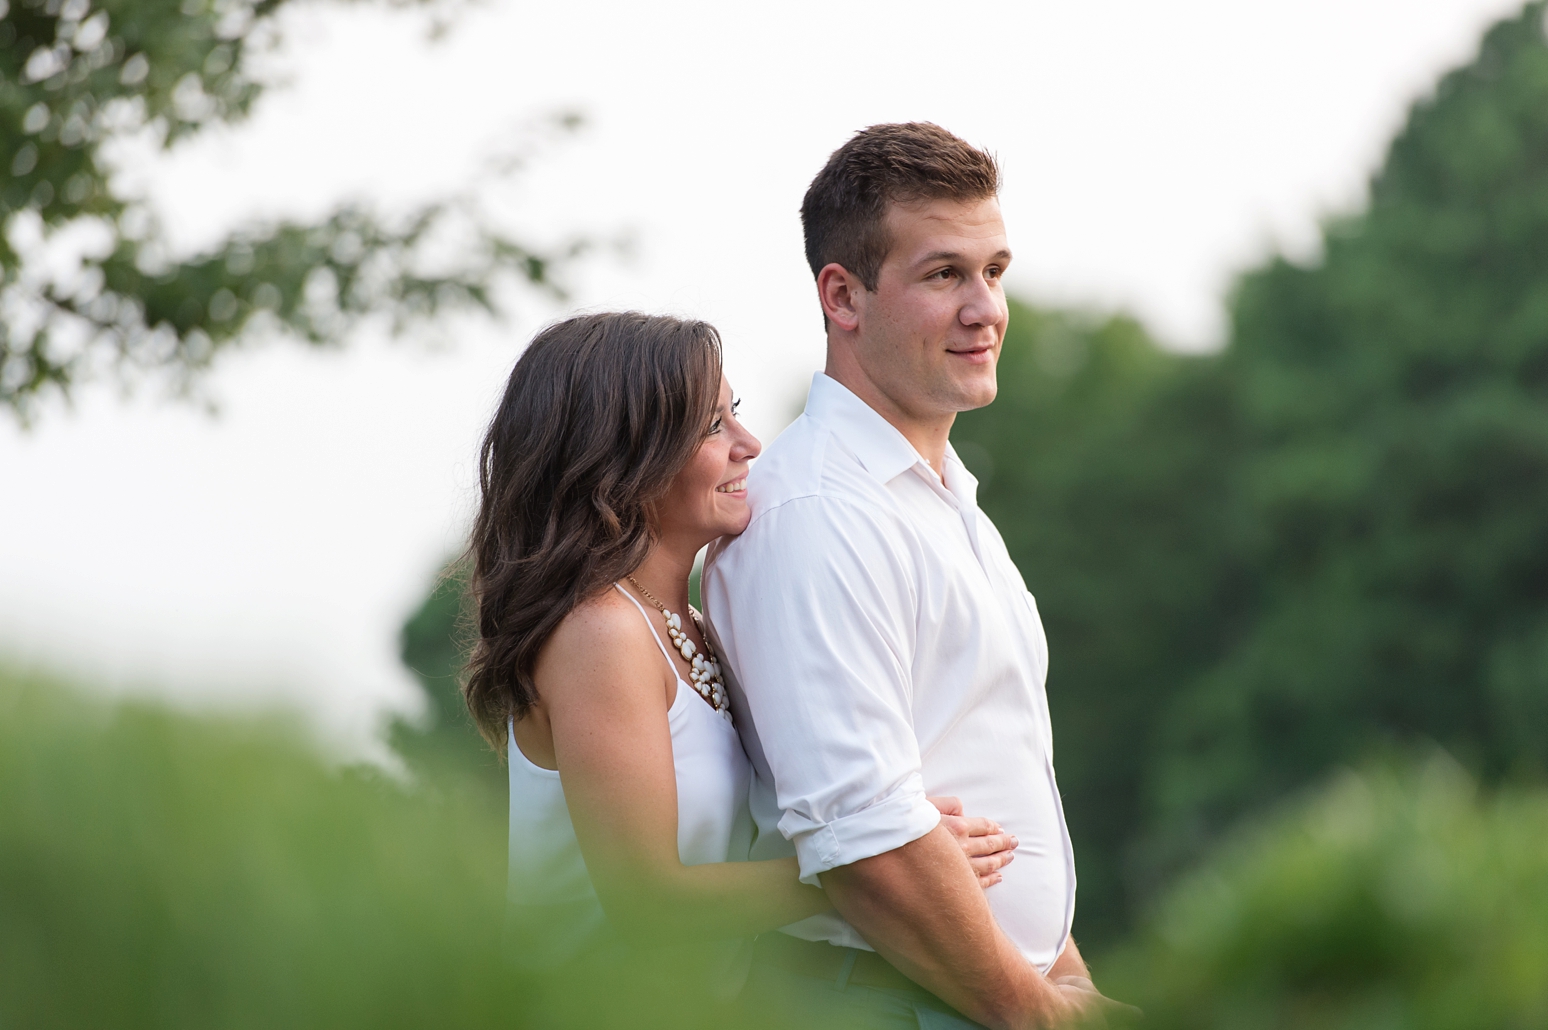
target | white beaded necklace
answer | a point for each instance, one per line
(705, 675)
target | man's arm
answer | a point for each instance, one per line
(921, 907)
(1069, 963)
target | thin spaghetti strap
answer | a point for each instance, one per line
(650, 626)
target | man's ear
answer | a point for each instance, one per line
(838, 290)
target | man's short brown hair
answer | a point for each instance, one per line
(845, 209)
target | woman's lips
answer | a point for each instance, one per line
(736, 486)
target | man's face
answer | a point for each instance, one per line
(931, 332)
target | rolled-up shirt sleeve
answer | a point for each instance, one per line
(820, 633)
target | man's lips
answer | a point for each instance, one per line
(973, 354)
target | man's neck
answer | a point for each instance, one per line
(928, 435)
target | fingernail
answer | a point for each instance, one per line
(998, 828)
(1009, 859)
(1015, 843)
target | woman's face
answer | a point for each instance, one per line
(708, 498)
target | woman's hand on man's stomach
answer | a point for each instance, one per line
(985, 843)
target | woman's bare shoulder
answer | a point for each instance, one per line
(602, 641)
(607, 618)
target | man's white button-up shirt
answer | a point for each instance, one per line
(882, 646)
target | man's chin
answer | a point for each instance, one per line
(971, 395)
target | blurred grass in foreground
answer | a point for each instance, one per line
(166, 870)
(1386, 901)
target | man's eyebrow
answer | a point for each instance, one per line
(1003, 254)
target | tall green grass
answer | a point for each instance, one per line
(160, 870)
(171, 871)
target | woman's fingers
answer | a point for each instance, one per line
(961, 827)
(970, 826)
(980, 827)
(946, 805)
(986, 864)
(989, 844)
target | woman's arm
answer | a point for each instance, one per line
(605, 689)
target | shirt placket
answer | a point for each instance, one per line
(965, 512)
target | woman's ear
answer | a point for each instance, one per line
(838, 290)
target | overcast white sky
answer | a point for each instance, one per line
(270, 553)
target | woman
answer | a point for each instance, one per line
(614, 457)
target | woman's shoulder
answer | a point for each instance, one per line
(605, 617)
(605, 636)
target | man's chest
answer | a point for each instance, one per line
(978, 644)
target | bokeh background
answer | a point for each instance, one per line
(1271, 449)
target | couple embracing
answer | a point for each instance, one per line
(849, 758)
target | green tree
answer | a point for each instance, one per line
(1329, 538)
(443, 744)
(77, 74)
(1392, 400)
(1108, 466)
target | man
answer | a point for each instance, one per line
(883, 644)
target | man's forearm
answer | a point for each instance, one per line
(1069, 963)
(921, 907)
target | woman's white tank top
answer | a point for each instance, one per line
(554, 911)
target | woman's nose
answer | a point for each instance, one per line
(748, 446)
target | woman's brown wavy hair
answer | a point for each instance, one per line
(598, 417)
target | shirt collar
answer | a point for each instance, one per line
(885, 452)
(962, 483)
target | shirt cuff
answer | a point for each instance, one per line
(868, 832)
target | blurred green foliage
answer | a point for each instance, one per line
(161, 870)
(443, 745)
(169, 871)
(88, 285)
(1390, 900)
(1331, 537)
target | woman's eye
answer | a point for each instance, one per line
(736, 407)
(714, 427)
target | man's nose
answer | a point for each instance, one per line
(982, 306)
